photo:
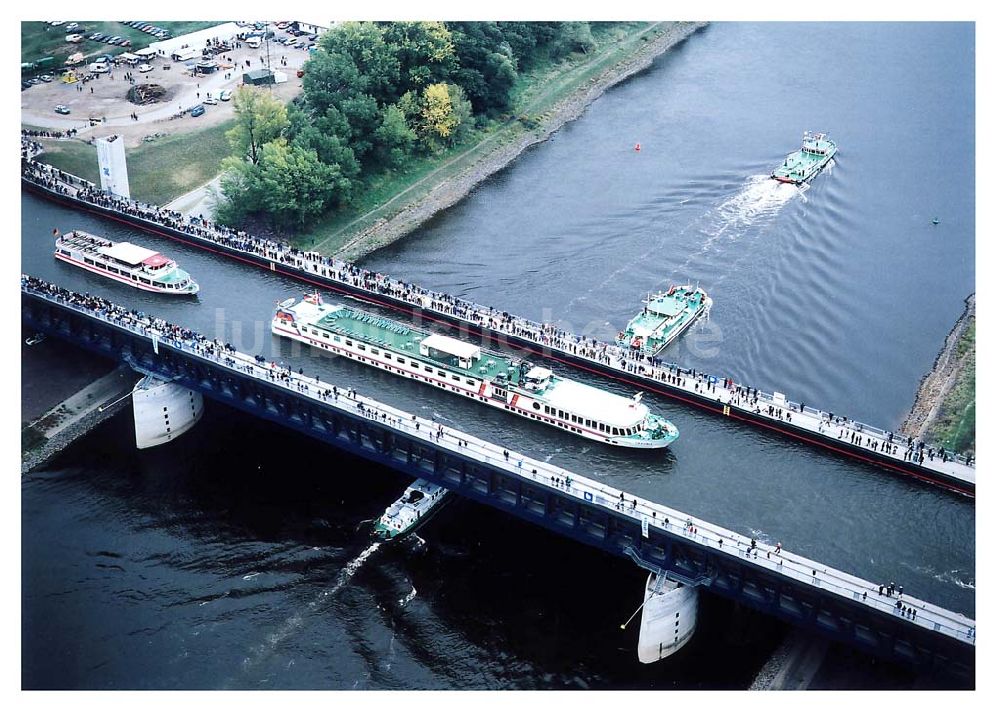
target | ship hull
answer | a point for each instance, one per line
(481, 394)
(123, 279)
(509, 341)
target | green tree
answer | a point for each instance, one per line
(260, 118)
(461, 107)
(330, 77)
(239, 192)
(487, 70)
(394, 139)
(294, 185)
(375, 60)
(576, 37)
(425, 52)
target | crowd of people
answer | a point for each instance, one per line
(548, 335)
(260, 366)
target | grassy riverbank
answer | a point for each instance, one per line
(158, 171)
(955, 424)
(361, 227)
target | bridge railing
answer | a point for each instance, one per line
(596, 351)
(646, 513)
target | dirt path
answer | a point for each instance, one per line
(936, 385)
(450, 191)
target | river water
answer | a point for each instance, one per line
(237, 556)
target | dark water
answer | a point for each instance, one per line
(134, 564)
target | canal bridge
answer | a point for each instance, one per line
(771, 411)
(786, 585)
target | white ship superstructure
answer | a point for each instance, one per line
(125, 262)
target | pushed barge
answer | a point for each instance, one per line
(802, 166)
(517, 386)
(127, 263)
(663, 319)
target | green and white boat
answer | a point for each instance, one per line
(803, 165)
(665, 316)
(516, 386)
(420, 499)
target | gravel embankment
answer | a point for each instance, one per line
(44, 453)
(936, 384)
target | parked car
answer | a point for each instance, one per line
(226, 95)
(46, 78)
(145, 68)
(62, 109)
(211, 100)
(72, 26)
(57, 23)
(197, 110)
(25, 84)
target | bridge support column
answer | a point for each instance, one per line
(163, 411)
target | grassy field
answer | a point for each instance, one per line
(159, 171)
(39, 40)
(955, 427)
(534, 94)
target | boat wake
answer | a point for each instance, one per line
(757, 202)
(296, 621)
(406, 600)
(759, 199)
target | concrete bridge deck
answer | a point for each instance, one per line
(785, 584)
(770, 411)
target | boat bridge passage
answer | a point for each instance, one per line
(723, 396)
(778, 582)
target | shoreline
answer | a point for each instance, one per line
(937, 384)
(449, 192)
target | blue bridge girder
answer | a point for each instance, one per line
(588, 513)
(950, 476)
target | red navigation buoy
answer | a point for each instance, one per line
(637, 147)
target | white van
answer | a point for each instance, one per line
(253, 43)
(98, 67)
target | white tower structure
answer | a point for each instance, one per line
(111, 164)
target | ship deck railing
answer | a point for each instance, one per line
(587, 490)
(546, 336)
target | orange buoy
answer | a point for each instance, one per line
(637, 147)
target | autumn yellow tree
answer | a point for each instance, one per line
(438, 115)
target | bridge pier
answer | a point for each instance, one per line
(585, 511)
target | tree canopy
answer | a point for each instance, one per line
(374, 95)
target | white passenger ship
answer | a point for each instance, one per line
(516, 386)
(125, 262)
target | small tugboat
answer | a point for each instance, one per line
(802, 166)
(127, 263)
(410, 510)
(663, 319)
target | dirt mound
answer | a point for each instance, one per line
(147, 94)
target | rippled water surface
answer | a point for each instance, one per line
(236, 559)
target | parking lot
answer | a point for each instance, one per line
(104, 97)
